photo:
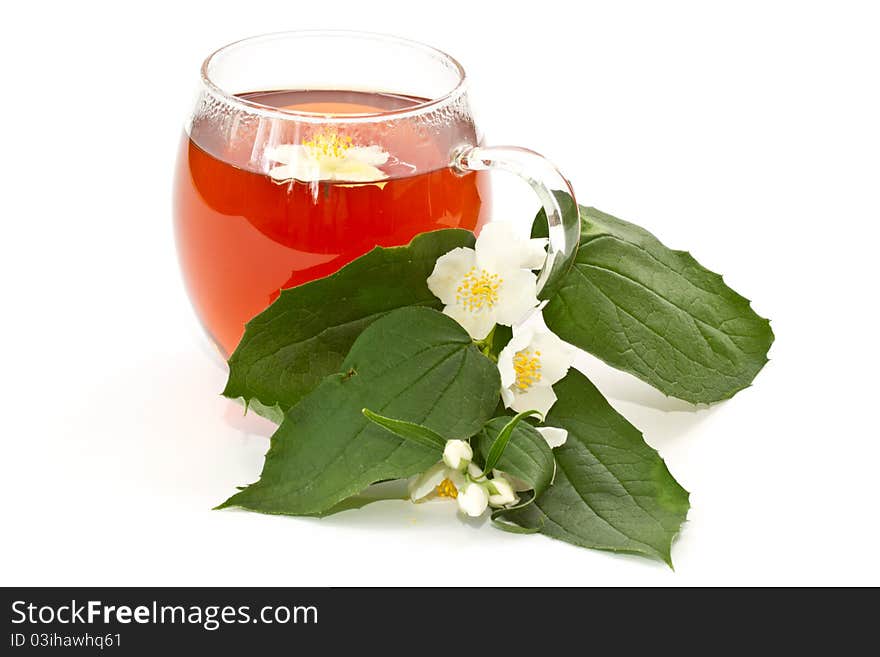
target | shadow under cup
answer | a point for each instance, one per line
(304, 151)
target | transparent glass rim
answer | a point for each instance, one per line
(430, 105)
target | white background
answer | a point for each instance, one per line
(748, 133)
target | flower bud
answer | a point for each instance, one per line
(473, 500)
(457, 454)
(501, 492)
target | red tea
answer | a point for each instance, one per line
(243, 234)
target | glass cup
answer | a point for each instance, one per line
(307, 149)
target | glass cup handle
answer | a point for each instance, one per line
(554, 191)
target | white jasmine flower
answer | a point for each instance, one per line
(554, 436)
(490, 284)
(533, 360)
(457, 478)
(433, 482)
(457, 454)
(442, 481)
(327, 156)
(448, 477)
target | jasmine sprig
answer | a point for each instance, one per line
(455, 476)
(628, 299)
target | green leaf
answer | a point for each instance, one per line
(304, 336)
(501, 335)
(415, 364)
(657, 313)
(527, 457)
(381, 492)
(612, 491)
(500, 444)
(408, 430)
(510, 527)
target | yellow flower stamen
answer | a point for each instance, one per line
(447, 489)
(478, 290)
(527, 365)
(328, 144)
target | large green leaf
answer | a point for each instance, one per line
(415, 364)
(290, 347)
(612, 491)
(657, 313)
